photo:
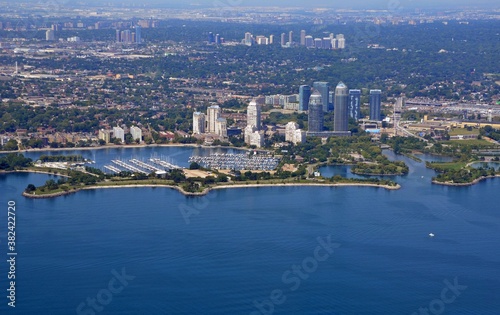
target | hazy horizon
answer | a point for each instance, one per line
(352, 4)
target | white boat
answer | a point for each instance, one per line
(431, 234)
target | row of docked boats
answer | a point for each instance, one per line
(155, 165)
(237, 162)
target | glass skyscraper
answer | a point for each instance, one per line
(138, 36)
(341, 115)
(355, 104)
(375, 113)
(304, 95)
(315, 118)
(324, 90)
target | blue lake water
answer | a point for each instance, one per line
(229, 251)
(495, 165)
(176, 155)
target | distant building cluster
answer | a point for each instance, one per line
(331, 42)
(250, 40)
(129, 37)
(316, 100)
(119, 133)
(215, 39)
(301, 101)
(288, 40)
(316, 108)
(50, 34)
(289, 102)
(79, 25)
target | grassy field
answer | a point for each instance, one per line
(463, 131)
(455, 166)
(474, 142)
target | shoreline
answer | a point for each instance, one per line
(133, 146)
(33, 171)
(474, 182)
(369, 174)
(207, 190)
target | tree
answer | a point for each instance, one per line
(384, 137)
(30, 188)
(11, 145)
(128, 138)
(222, 178)
(194, 166)
(51, 184)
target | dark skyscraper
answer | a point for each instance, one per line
(331, 100)
(304, 95)
(324, 90)
(355, 104)
(375, 105)
(315, 118)
(341, 117)
(211, 38)
(138, 35)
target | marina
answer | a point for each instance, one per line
(137, 166)
(129, 167)
(237, 162)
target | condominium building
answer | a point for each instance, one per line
(119, 133)
(136, 133)
(213, 114)
(199, 121)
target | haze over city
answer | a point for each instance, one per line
(266, 157)
(353, 4)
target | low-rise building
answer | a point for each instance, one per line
(294, 134)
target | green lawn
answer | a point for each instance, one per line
(473, 142)
(455, 166)
(463, 131)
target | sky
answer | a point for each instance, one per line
(339, 4)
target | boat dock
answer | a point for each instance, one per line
(237, 162)
(165, 164)
(112, 168)
(145, 165)
(129, 167)
(137, 166)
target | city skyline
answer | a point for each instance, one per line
(354, 4)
